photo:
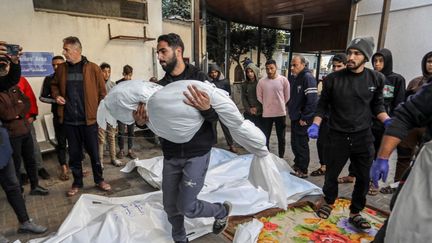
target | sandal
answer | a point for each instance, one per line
(387, 190)
(72, 192)
(324, 211)
(346, 179)
(63, 176)
(299, 174)
(295, 168)
(359, 222)
(104, 186)
(373, 191)
(318, 172)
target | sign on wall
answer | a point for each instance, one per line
(36, 64)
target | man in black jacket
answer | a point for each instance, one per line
(185, 165)
(301, 108)
(60, 134)
(351, 97)
(393, 94)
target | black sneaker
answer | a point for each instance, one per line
(38, 190)
(3, 239)
(220, 225)
(187, 241)
(30, 227)
(43, 174)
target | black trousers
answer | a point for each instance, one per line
(60, 135)
(280, 132)
(255, 119)
(12, 189)
(322, 141)
(123, 132)
(23, 147)
(86, 137)
(358, 147)
(300, 145)
(378, 133)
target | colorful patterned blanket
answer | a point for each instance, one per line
(300, 225)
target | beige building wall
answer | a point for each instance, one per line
(44, 32)
(184, 30)
(408, 31)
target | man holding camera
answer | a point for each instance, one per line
(10, 121)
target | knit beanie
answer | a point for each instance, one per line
(364, 44)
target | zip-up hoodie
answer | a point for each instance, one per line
(93, 89)
(248, 88)
(303, 98)
(394, 84)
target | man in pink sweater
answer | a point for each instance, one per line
(273, 92)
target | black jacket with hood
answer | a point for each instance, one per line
(220, 81)
(394, 84)
(415, 84)
(205, 138)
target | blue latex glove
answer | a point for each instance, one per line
(387, 122)
(379, 170)
(313, 131)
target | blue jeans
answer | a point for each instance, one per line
(183, 179)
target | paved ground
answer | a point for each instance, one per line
(53, 209)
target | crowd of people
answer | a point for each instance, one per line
(348, 112)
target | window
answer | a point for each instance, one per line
(124, 9)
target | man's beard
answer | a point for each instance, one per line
(170, 64)
(355, 67)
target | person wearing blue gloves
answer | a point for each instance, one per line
(351, 96)
(415, 112)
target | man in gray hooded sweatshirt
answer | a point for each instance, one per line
(252, 107)
(216, 77)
